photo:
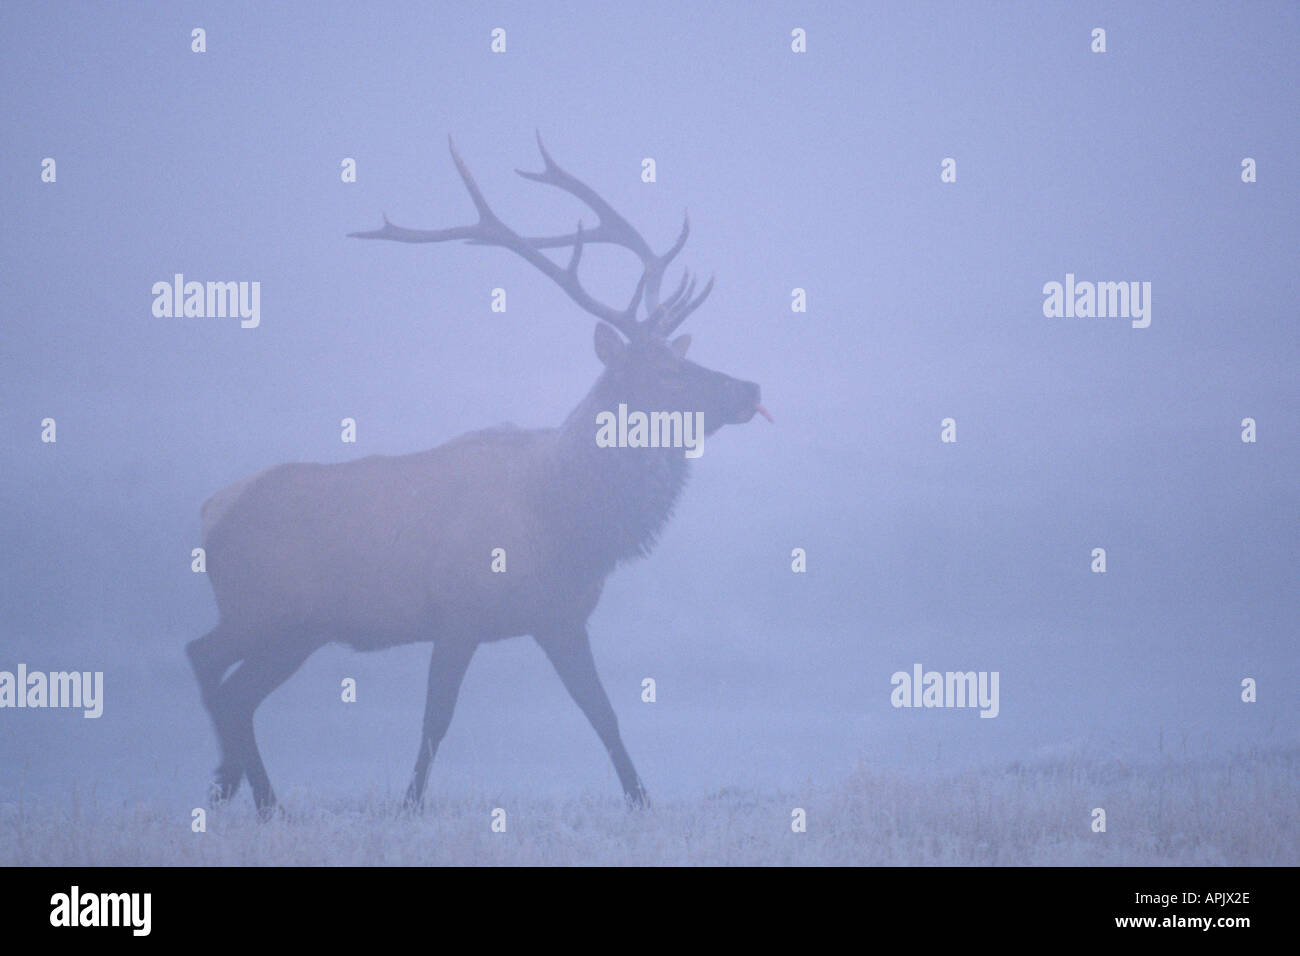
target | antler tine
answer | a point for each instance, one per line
(577, 253)
(612, 227)
(658, 314)
(690, 291)
(636, 299)
(672, 313)
(678, 316)
(616, 229)
(485, 213)
(662, 317)
(491, 231)
(668, 256)
(677, 293)
(475, 233)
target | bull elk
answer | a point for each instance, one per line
(384, 550)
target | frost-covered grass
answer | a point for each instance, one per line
(1239, 810)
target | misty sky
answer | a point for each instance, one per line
(818, 170)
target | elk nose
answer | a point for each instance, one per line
(745, 399)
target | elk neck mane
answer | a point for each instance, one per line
(616, 501)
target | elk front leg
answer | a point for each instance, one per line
(446, 671)
(570, 652)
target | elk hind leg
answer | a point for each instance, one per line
(210, 657)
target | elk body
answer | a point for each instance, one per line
(394, 550)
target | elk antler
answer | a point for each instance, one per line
(662, 317)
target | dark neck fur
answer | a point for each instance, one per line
(616, 500)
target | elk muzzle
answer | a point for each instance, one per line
(743, 401)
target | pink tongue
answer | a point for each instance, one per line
(765, 413)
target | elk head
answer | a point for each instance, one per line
(645, 368)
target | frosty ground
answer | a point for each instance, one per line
(1243, 809)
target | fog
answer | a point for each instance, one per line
(818, 171)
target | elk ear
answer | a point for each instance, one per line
(609, 346)
(679, 345)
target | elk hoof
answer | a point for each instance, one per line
(223, 787)
(412, 803)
